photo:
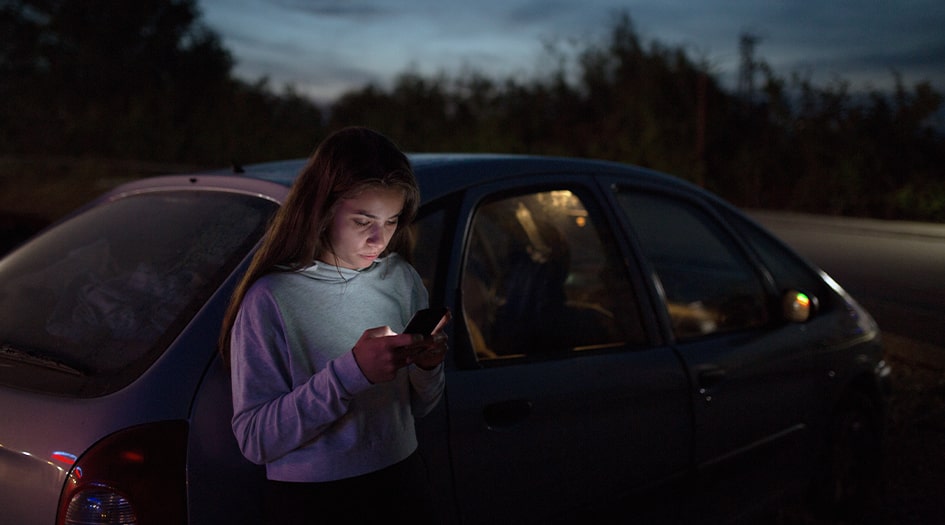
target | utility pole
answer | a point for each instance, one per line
(746, 72)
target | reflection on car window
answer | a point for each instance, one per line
(103, 294)
(709, 285)
(787, 270)
(539, 280)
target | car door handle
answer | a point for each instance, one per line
(710, 376)
(506, 414)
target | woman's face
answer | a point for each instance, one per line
(362, 227)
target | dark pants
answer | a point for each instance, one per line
(397, 493)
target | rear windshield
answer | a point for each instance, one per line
(92, 303)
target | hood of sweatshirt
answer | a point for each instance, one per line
(322, 271)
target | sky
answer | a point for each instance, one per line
(323, 48)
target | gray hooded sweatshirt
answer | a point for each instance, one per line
(301, 404)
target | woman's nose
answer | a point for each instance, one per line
(376, 234)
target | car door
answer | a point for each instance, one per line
(753, 385)
(557, 396)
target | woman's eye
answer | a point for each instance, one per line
(362, 224)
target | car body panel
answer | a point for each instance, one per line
(527, 413)
(62, 428)
(706, 424)
(557, 418)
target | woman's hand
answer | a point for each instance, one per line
(429, 353)
(380, 353)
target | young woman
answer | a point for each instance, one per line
(325, 392)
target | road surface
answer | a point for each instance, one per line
(895, 269)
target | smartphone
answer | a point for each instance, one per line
(427, 320)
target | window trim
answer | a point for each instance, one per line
(588, 190)
(707, 206)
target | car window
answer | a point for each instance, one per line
(540, 279)
(91, 303)
(709, 285)
(786, 268)
(427, 236)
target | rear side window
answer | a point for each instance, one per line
(541, 279)
(90, 304)
(709, 285)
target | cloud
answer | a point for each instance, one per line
(335, 8)
(336, 43)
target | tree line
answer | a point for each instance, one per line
(147, 80)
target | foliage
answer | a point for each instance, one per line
(142, 80)
(152, 83)
(790, 145)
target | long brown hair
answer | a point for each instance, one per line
(344, 164)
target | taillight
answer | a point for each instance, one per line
(134, 477)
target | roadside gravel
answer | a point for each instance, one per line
(914, 452)
(915, 436)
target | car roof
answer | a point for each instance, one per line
(438, 174)
(441, 173)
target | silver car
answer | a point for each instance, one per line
(623, 344)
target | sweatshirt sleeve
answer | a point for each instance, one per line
(426, 389)
(426, 386)
(270, 417)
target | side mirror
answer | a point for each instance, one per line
(797, 306)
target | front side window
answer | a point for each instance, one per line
(787, 270)
(90, 304)
(540, 279)
(708, 284)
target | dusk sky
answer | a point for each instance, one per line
(326, 47)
